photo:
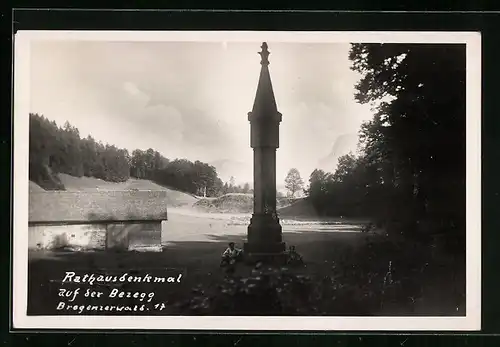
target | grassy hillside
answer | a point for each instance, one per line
(35, 187)
(299, 208)
(229, 203)
(71, 183)
(233, 203)
(44, 177)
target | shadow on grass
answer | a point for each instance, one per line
(350, 263)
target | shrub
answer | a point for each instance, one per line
(279, 291)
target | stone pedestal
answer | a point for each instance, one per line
(264, 232)
(265, 241)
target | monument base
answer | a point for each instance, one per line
(264, 240)
(266, 258)
(264, 248)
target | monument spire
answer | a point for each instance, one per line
(264, 236)
(265, 102)
(264, 54)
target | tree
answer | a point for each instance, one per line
(414, 147)
(225, 189)
(345, 168)
(410, 173)
(56, 150)
(293, 182)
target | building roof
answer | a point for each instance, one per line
(102, 206)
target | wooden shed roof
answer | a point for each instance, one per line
(102, 206)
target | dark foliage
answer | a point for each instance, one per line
(54, 150)
(410, 173)
(360, 283)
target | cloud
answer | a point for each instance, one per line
(190, 99)
(133, 92)
(186, 129)
(131, 89)
(344, 144)
(158, 119)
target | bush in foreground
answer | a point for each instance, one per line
(388, 277)
(281, 291)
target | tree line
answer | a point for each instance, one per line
(54, 149)
(409, 171)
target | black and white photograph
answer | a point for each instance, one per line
(247, 180)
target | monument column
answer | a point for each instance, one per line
(264, 237)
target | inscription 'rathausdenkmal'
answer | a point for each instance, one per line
(91, 279)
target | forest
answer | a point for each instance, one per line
(54, 149)
(409, 172)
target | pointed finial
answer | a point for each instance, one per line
(264, 54)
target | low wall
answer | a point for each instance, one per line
(124, 236)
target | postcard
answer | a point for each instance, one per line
(225, 180)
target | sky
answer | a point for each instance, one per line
(191, 99)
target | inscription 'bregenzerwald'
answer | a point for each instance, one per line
(91, 279)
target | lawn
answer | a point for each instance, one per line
(346, 273)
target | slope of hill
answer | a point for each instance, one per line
(44, 177)
(233, 203)
(35, 187)
(229, 203)
(174, 197)
(300, 208)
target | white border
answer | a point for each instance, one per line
(472, 320)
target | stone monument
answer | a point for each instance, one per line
(264, 237)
